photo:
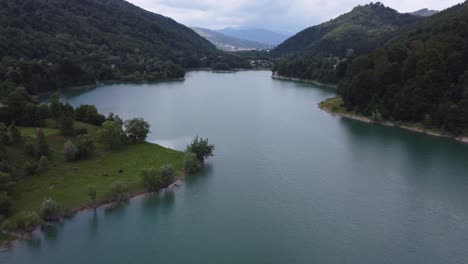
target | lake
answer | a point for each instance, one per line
(289, 183)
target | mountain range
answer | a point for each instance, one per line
(228, 43)
(255, 34)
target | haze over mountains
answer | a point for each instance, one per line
(228, 43)
(255, 34)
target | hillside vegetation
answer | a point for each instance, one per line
(321, 52)
(420, 75)
(52, 44)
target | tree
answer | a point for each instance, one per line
(151, 180)
(111, 135)
(4, 138)
(89, 114)
(191, 163)
(15, 134)
(6, 183)
(85, 146)
(119, 192)
(136, 129)
(70, 151)
(66, 126)
(6, 204)
(201, 148)
(43, 164)
(56, 107)
(50, 210)
(42, 145)
(92, 194)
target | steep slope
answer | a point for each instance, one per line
(322, 52)
(228, 43)
(421, 75)
(49, 44)
(254, 34)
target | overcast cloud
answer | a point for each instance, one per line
(280, 15)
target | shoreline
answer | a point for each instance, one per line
(285, 78)
(408, 127)
(26, 234)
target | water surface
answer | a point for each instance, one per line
(289, 184)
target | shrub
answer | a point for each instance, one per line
(191, 163)
(43, 164)
(85, 146)
(6, 182)
(119, 192)
(27, 220)
(89, 114)
(15, 134)
(81, 131)
(50, 210)
(29, 168)
(136, 129)
(111, 135)
(29, 149)
(70, 151)
(42, 145)
(151, 180)
(201, 148)
(167, 175)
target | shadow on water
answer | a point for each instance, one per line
(194, 179)
(93, 224)
(163, 201)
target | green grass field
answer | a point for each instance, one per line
(67, 182)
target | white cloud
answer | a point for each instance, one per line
(283, 15)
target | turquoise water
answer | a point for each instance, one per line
(289, 184)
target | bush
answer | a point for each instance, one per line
(29, 149)
(136, 129)
(167, 175)
(85, 146)
(111, 135)
(70, 151)
(191, 163)
(15, 134)
(29, 168)
(27, 220)
(43, 164)
(151, 180)
(6, 182)
(42, 145)
(201, 148)
(6, 204)
(50, 210)
(89, 114)
(4, 138)
(81, 131)
(119, 192)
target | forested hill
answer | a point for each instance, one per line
(421, 75)
(46, 44)
(360, 30)
(321, 52)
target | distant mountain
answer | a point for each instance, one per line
(228, 43)
(320, 52)
(424, 12)
(255, 34)
(50, 44)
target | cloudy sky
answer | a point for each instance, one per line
(280, 15)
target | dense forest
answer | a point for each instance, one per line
(321, 52)
(50, 44)
(420, 75)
